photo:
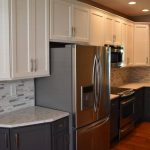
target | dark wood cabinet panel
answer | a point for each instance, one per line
(139, 105)
(35, 137)
(114, 119)
(4, 139)
(147, 104)
(60, 134)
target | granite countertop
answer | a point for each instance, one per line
(136, 86)
(113, 96)
(30, 116)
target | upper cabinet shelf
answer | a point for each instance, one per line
(24, 28)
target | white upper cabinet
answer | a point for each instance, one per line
(22, 37)
(141, 44)
(60, 18)
(41, 59)
(96, 28)
(124, 39)
(69, 22)
(117, 31)
(129, 48)
(80, 22)
(108, 29)
(26, 46)
(4, 40)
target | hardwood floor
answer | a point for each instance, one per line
(139, 139)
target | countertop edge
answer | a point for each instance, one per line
(34, 122)
(135, 86)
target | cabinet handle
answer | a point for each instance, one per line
(6, 140)
(128, 60)
(147, 60)
(114, 38)
(32, 67)
(73, 31)
(17, 140)
(35, 65)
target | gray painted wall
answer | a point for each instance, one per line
(56, 91)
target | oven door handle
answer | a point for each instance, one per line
(129, 101)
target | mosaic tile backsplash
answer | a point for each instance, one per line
(15, 95)
(126, 75)
(119, 76)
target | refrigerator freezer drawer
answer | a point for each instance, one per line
(94, 137)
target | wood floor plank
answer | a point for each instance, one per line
(139, 139)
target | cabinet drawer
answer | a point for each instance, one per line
(60, 125)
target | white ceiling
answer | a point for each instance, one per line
(123, 6)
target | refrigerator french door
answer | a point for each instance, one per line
(79, 84)
(91, 96)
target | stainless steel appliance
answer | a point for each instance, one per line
(80, 83)
(127, 102)
(117, 56)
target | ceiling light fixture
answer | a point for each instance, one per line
(132, 3)
(145, 10)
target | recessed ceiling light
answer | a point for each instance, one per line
(132, 3)
(145, 10)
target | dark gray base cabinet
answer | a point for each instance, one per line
(48, 136)
(147, 104)
(139, 105)
(60, 135)
(114, 120)
(36, 137)
(4, 139)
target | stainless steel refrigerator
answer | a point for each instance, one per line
(80, 84)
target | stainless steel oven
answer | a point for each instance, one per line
(127, 103)
(126, 115)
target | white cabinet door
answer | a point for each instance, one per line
(23, 37)
(41, 60)
(80, 20)
(96, 28)
(4, 40)
(141, 44)
(124, 39)
(60, 20)
(130, 32)
(108, 28)
(117, 31)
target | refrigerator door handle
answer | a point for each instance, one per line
(100, 78)
(94, 80)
